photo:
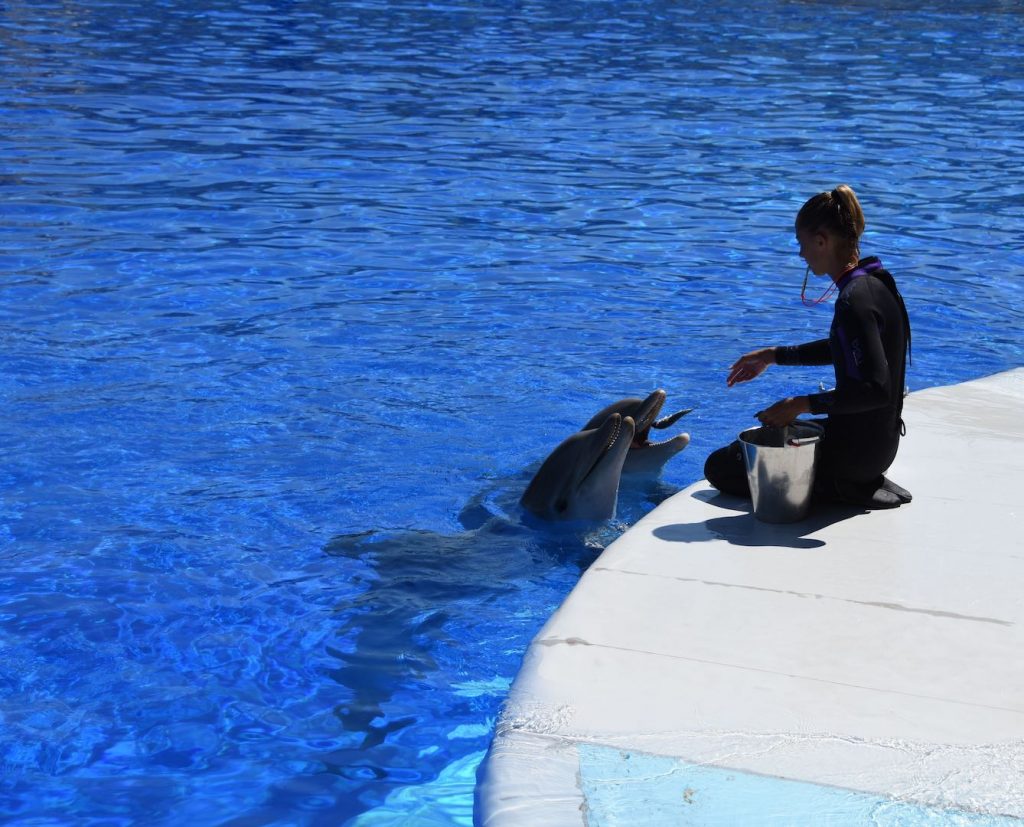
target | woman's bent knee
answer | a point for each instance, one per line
(726, 470)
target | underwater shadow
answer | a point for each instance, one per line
(742, 528)
(426, 605)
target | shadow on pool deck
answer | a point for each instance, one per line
(742, 528)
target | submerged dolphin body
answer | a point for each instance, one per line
(580, 479)
(646, 457)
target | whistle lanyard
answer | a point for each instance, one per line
(824, 296)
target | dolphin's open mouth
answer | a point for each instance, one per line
(647, 420)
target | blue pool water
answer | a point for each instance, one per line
(295, 294)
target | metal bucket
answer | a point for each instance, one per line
(780, 469)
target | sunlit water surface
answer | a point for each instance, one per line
(295, 295)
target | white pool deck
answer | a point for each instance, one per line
(855, 668)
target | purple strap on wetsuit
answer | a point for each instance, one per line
(857, 272)
(851, 349)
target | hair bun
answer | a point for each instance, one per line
(837, 211)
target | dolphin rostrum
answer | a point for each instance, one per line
(646, 457)
(580, 479)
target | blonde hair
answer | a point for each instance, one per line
(837, 212)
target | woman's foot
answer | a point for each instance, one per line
(867, 495)
(901, 492)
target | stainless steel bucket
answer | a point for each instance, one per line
(780, 469)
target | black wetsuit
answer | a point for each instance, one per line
(867, 345)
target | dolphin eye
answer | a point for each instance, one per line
(561, 506)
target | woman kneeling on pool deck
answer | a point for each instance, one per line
(867, 345)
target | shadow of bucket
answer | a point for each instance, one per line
(780, 469)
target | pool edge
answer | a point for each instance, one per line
(531, 773)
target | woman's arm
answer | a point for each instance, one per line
(812, 353)
(753, 364)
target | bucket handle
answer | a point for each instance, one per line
(798, 442)
(808, 440)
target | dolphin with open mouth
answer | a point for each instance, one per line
(646, 457)
(580, 479)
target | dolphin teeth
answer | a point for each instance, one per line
(614, 436)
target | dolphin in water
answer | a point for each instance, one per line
(645, 457)
(580, 479)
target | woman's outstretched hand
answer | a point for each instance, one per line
(750, 365)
